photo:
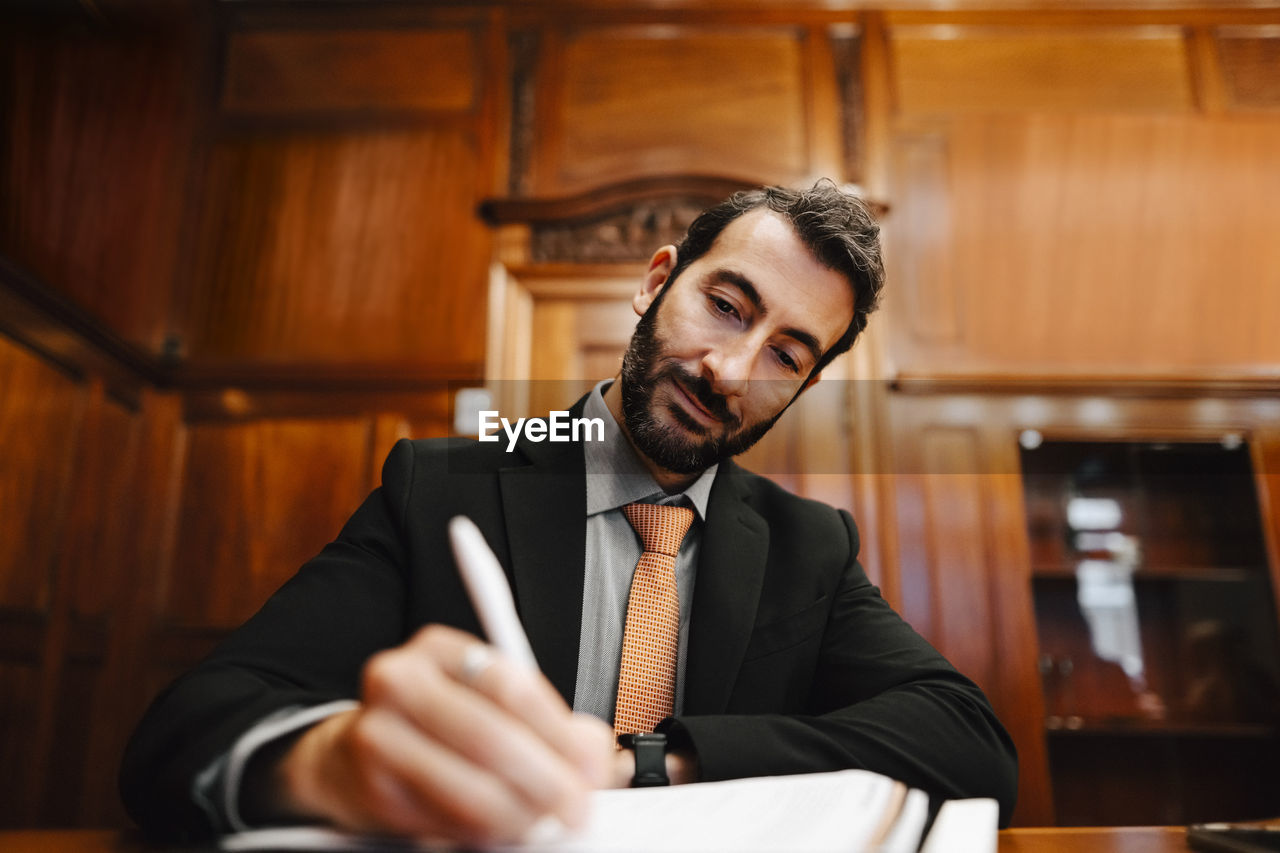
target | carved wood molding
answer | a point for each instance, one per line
(609, 199)
(619, 222)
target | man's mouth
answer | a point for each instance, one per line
(695, 407)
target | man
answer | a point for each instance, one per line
(360, 695)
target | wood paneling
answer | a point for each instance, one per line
(962, 569)
(104, 511)
(280, 73)
(343, 250)
(947, 70)
(1250, 62)
(1113, 244)
(95, 173)
(960, 558)
(19, 706)
(80, 694)
(69, 563)
(627, 102)
(258, 500)
(41, 410)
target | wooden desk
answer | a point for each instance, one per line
(1160, 839)
(1105, 839)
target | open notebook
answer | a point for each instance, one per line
(850, 811)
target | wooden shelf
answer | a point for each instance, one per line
(1221, 574)
(1160, 728)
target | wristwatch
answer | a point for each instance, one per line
(651, 758)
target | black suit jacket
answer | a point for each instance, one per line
(794, 661)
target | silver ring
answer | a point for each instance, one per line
(475, 660)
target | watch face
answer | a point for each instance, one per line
(650, 751)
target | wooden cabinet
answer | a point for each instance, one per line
(1156, 620)
(982, 526)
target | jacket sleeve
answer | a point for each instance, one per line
(882, 699)
(305, 647)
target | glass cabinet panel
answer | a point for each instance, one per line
(1156, 621)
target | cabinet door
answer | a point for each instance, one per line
(1157, 628)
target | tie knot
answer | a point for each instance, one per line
(661, 528)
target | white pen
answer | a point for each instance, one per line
(490, 594)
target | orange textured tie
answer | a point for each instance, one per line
(651, 639)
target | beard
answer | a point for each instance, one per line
(689, 447)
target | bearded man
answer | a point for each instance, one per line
(750, 643)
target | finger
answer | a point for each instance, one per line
(473, 726)
(595, 747)
(417, 786)
(527, 696)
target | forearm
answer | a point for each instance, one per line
(939, 737)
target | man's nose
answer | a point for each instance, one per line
(728, 368)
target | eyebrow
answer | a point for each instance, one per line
(800, 336)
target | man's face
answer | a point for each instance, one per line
(720, 353)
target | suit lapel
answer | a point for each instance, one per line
(726, 594)
(545, 506)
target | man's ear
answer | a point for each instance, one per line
(655, 278)
(809, 383)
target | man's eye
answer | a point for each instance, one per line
(723, 307)
(787, 361)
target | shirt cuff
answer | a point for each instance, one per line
(217, 788)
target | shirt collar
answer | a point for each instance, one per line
(617, 477)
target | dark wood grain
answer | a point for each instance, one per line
(257, 500)
(342, 250)
(95, 177)
(359, 70)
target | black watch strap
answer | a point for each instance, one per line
(651, 758)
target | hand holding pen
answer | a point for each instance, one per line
(454, 740)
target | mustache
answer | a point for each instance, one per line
(699, 387)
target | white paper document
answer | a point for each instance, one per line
(848, 811)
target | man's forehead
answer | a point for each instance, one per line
(756, 224)
(763, 236)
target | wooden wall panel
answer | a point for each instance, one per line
(343, 249)
(69, 564)
(1250, 59)
(19, 707)
(628, 102)
(1110, 244)
(257, 500)
(104, 512)
(298, 71)
(95, 175)
(947, 70)
(80, 695)
(41, 410)
(960, 558)
(96, 573)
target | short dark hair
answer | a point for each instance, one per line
(837, 226)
